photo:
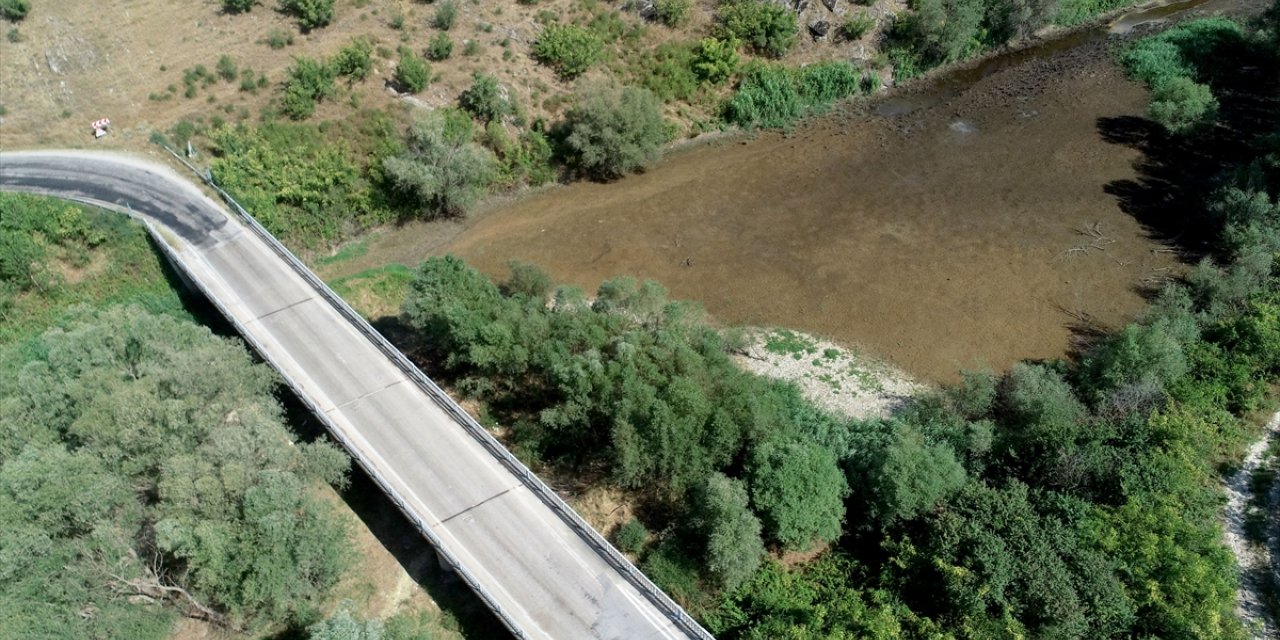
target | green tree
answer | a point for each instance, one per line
(914, 477)
(612, 130)
(798, 490)
(443, 170)
(162, 423)
(731, 530)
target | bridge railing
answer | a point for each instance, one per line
(535, 484)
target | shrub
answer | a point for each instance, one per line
(354, 60)
(311, 14)
(613, 130)
(14, 10)
(238, 6)
(277, 39)
(1181, 104)
(668, 71)
(715, 60)
(854, 27)
(309, 82)
(769, 29)
(631, 537)
(446, 15)
(440, 47)
(775, 96)
(226, 68)
(673, 13)
(484, 98)
(412, 72)
(569, 49)
(443, 170)
(767, 97)
(825, 82)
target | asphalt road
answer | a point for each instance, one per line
(541, 576)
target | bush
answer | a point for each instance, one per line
(311, 14)
(309, 82)
(226, 68)
(715, 60)
(443, 170)
(238, 6)
(354, 60)
(825, 82)
(569, 49)
(668, 72)
(440, 47)
(14, 10)
(412, 72)
(631, 537)
(277, 39)
(305, 184)
(768, 28)
(775, 96)
(484, 98)
(614, 130)
(1181, 104)
(854, 27)
(673, 13)
(767, 96)
(446, 15)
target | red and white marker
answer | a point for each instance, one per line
(100, 127)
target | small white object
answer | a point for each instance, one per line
(98, 133)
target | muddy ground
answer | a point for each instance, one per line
(976, 232)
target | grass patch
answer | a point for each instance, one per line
(785, 342)
(376, 292)
(120, 268)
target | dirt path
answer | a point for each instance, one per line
(1255, 561)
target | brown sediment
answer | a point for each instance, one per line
(973, 232)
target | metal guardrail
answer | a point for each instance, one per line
(566, 513)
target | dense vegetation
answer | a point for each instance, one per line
(1063, 499)
(144, 469)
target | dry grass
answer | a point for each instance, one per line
(78, 61)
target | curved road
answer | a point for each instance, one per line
(544, 577)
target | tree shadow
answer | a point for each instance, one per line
(1176, 173)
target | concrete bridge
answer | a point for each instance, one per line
(544, 571)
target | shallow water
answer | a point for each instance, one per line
(985, 224)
